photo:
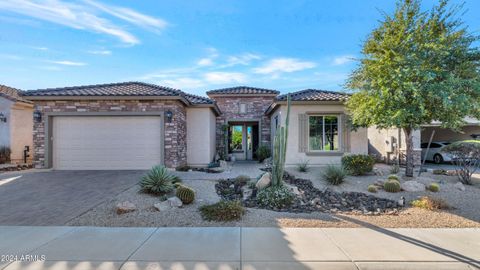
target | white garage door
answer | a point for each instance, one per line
(106, 142)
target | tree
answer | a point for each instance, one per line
(416, 67)
(466, 157)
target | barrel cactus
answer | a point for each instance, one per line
(434, 187)
(372, 189)
(393, 177)
(392, 185)
(185, 194)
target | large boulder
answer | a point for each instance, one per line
(264, 181)
(174, 202)
(163, 206)
(459, 186)
(413, 186)
(125, 207)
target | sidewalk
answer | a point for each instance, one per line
(82, 248)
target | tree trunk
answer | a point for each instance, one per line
(409, 155)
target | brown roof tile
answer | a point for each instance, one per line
(315, 95)
(242, 90)
(12, 94)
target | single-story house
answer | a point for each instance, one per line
(136, 125)
(16, 125)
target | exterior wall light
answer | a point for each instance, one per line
(169, 116)
(37, 116)
(3, 118)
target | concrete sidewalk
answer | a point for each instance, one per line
(82, 248)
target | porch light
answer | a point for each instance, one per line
(37, 116)
(169, 115)
(3, 118)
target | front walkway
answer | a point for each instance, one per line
(216, 248)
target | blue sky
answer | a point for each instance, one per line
(191, 45)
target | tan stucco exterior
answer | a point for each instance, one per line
(350, 142)
(383, 142)
(201, 134)
(17, 132)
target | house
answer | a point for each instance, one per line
(135, 125)
(16, 124)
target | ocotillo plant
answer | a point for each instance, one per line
(280, 150)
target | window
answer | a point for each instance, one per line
(323, 133)
(243, 108)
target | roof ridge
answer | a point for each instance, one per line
(242, 87)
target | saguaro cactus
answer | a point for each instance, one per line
(280, 149)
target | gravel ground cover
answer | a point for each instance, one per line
(465, 214)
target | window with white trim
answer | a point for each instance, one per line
(323, 133)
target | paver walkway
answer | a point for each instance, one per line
(83, 248)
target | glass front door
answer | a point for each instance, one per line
(243, 140)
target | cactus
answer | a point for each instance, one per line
(392, 185)
(434, 187)
(185, 194)
(280, 149)
(372, 188)
(393, 177)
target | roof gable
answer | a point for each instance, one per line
(314, 95)
(243, 90)
(12, 94)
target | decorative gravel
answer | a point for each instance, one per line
(465, 214)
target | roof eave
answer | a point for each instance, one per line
(241, 95)
(50, 97)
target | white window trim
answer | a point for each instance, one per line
(340, 134)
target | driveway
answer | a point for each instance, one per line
(55, 197)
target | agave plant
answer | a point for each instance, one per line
(158, 181)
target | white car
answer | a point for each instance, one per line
(435, 153)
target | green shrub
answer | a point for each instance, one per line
(158, 181)
(242, 180)
(394, 169)
(392, 185)
(222, 211)
(393, 177)
(185, 194)
(372, 188)
(334, 175)
(358, 164)
(433, 187)
(302, 166)
(182, 168)
(275, 197)
(263, 152)
(430, 203)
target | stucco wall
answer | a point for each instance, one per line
(353, 142)
(21, 132)
(381, 143)
(200, 136)
(443, 134)
(5, 106)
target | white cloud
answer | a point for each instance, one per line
(243, 59)
(68, 63)
(40, 48)
(280, 65)
(84, 17)
(182, 83)
(204, 62)
(225, 77)
(341, 60)
(101, 52)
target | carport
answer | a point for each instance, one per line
(470, 131)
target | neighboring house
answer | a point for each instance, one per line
(137, 125)
(16, 124)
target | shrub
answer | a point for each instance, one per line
(263, 152)
(392, 185)
(372, 188)
(182, 168)
(275, 197)
(4, 154)
(158, 181)
(241, 180)
(393, 177)
(213, 165)
(334, 175)
(185, 194)
(222, 211)
(302, 166)
(430, 203)
(466, 158)
(439, 171)
(394, 169)
(433, 187)
(358, 164)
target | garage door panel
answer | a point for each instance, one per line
(106, 142)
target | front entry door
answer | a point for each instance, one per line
(243, 139)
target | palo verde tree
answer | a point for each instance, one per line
(417, 67)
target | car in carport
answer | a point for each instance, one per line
(435, 153)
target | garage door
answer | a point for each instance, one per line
(106, 142)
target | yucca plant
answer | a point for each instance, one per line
(280, 149)
(158, 181)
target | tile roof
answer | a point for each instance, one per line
(240, 90)
(12, 94)
(194, 99)
(315, 95)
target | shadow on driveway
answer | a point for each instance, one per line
(55, 197)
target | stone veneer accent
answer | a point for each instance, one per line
(175, 153)
(229, 105)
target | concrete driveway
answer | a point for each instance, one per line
(55, 197)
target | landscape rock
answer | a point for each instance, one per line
(174, 202)
(247, 193)
(451, 172)
(459, 186)
(294, 190)
(264, 181)
(163, 206)
(413, 186)
(125, 207)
